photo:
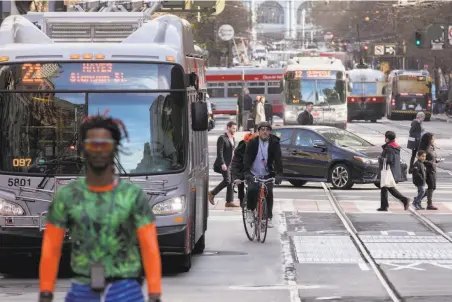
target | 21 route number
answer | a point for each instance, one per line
(21, 162)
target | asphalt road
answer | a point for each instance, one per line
(310, 255)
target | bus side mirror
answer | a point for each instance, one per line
(199, 116)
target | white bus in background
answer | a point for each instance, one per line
(225, 84)
(321, 81)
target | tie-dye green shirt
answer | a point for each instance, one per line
(103, 226)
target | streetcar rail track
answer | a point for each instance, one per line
(381, 275)
(388, 286)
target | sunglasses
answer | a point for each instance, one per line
(99, 144)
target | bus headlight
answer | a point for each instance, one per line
(171, 206)
(10, 209)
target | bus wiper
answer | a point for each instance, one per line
(120, 167)
(51, 172)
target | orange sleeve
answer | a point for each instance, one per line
(150, 253)
(50, 257)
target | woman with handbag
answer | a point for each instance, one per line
(391, 172)
(414, 137)
(427, 145)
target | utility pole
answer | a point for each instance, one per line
(404, 54)
(359, 43)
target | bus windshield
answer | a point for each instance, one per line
(321, 92)
(363, 88)
(40, 128)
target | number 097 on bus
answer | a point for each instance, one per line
(21, 162)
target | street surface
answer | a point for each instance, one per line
(309, 255)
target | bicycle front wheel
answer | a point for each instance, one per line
(262, 221)
(249, 227)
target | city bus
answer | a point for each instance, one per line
(407, 93)
(150, 77)
(321, 81)
(224, 86)
(366, 100)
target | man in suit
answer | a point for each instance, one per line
(225, 151)
(305, 118)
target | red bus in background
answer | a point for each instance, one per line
(225, 84)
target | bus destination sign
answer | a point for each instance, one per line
(97, 73)
(309, 74)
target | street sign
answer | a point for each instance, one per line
(379, 50)
(435, 32)
(226, 32)
(390, 49)
(385, 49)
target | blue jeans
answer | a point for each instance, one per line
(120, 291)
(420, 194)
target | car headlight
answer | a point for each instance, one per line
(10, 209)
(171, 206)
(366, 160)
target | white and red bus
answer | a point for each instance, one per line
(225, 84)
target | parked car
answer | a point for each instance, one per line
(328, 154)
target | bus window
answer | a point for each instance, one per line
(234, 90)
(256, 88)
(274, 88)
(215, 90)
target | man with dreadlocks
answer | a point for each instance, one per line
(108, 218)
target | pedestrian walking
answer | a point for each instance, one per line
(254, 111)
(414, 137)
(225, 151)
(306, 118)
(260, 111)
(111, 224)
(390, 166)
(428, 145)
(247, 106)
(237, 165)
(419, 179)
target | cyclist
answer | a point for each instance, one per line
(237, 164)
(108, 218)
(262, 159)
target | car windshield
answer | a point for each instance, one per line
(320, 92)
(46, 121)
(344, 138)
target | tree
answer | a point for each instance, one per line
(205, 31)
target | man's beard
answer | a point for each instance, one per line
(98, 169)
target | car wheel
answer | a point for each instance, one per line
(200, 245)
(373, 121)
(297, 183)
(341, 177)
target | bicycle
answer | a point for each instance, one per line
(260, 222)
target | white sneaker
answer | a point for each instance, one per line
(270, 224)
(250, 217)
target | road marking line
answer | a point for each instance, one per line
(288, 262)
(329, 298)
(277, 287)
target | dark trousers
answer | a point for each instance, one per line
(394, 192)
(431, 186)
(225, 183)
(413, 157)
(420, 194)
(253, 194)
(241, 192)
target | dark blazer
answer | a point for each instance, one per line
(274, 163)
(225, 150)
(419, 174)
(415, 135)
(305, 118)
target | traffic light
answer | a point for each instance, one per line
(366, 47)
(417, 38)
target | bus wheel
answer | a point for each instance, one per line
(373, 121)
(185, 263)
(200, 245)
